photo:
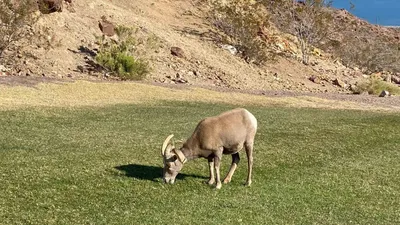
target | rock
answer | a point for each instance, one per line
(317, 52)
(339, 83)
(3, 68)
(357, 74)
(377, 75)
(230, 48)
(280, 46)
(315, 79)
(353, 88)
(50, 6)
(388, 78)
(106, 27)
(384, 93)
(178, 52)
(182, 81)
(396, 79)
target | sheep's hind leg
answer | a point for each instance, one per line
(249, 152)
(235, 162)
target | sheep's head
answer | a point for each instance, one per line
(173, 160)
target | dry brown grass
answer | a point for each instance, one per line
(85, 93)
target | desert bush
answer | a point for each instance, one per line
(124, 65)
(308, 20)
(240, 21)
(118, 57)
(15, 17)
(375, 54)
(375, 86)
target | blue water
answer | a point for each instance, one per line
(382, 12)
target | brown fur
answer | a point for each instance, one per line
(226, 133)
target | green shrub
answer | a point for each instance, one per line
(376, 86)
(124, 65)
(118, 55)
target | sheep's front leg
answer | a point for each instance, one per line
(211, 181)
(217, 162)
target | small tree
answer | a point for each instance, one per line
(308, 20)
(309, 23)
(15, 16)
(240, 21)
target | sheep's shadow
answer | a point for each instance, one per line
(152, 173)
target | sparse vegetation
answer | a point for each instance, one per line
(308, 20)
(15, 18)
(240, 21)
(118, 55)
(313, 23)
(373, 53)
(375, 86)
(309, 23)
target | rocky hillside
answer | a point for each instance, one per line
(184, 50)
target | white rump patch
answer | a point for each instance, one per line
(252, 119)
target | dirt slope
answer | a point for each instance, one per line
(174, 23)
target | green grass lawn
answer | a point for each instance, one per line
(103, 166)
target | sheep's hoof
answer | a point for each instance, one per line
(219, 185)
(227, 180)
(248, 183)
(210, 182)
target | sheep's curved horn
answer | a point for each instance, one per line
(166, 142)
(180, 155)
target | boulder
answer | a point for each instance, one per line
(384, 93)
(3, 68)
(178, 52)
(396, 79)
(106, 27)
(317, 52)
(315, 79)
(339, 83)
(230, 48)
(388, 78)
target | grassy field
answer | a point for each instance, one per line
(102, 165)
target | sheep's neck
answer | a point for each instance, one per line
(189, 154)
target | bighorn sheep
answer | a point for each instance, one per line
(214, 136)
